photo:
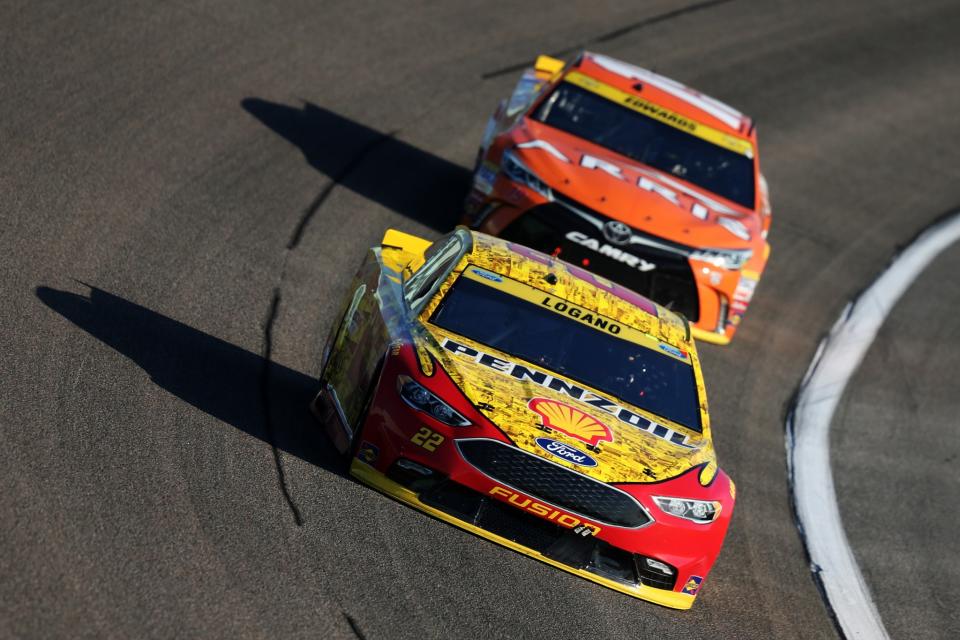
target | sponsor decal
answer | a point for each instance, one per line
(544, 511)
(744, 290)
(492, 277)
(570, 421)
(730, 116)
(395, 347)
(610, 251)
(584, 316)
(546, 146)
(700, 205)
(672, 350)
(742, 296)
(697, 204)
(424, 359)
(484, 178)
(547, 381)
(666, 116)
(368, 453)
(592, 162)
(565, 452)
(661, 114)
(693, 585)
(428, 439)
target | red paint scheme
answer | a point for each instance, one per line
(690, 547)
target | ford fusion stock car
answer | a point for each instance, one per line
(532, 403)
(633, 176)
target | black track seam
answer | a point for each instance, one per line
(267, 406)
(302, 223)
(611, 35)
(340, 176)
(354, 627)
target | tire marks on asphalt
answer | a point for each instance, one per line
(610, 35)
(303, 222)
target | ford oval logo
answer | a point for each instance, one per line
(566, 452)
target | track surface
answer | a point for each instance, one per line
(895, 449)
(186, 191)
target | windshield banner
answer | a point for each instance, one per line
(651, 110)
(574, 312)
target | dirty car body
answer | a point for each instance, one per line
(531, 403)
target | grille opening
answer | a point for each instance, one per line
(513, 524)
(552, 483)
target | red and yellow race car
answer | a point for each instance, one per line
(633, 176)
(534, 404)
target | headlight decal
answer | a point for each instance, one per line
(732, 259)
(420, 398)
(699, 511)
(517, 171)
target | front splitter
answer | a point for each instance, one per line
(370, 476)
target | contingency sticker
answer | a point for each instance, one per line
(693, 585)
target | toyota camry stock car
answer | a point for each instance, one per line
(633, 176)
(532, 403)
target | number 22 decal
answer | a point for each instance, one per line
(427, 439)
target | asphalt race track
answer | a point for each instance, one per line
(186, 191)
(899, 420)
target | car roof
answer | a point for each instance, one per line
(579, 286)
(668, 93)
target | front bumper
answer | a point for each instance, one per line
(370, 476)
(397, 442)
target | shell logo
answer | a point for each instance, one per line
(570, 421)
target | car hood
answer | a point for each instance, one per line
(595, 434)
(644, 198)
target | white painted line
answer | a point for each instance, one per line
(808, 429)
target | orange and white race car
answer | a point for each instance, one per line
(634, 176)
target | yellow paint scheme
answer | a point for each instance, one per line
(401, 250)
(547, 67)
(634, 455)
(380, 482)
(638, 104)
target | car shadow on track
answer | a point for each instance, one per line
(214, 376)
(412, 182)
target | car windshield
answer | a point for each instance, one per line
(659, 145)
(631, 372)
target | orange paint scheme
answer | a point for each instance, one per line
(662, 227)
